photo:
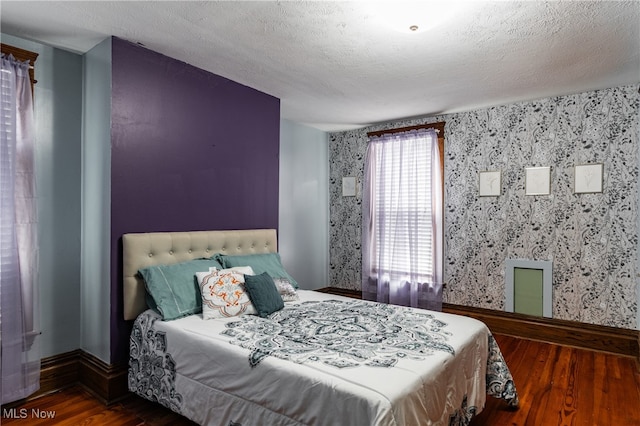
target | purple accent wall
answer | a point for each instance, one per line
(190, 150)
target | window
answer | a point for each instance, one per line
(403, 206)
(18, 232)
(403, 211)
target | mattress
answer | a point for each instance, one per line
(324, 360)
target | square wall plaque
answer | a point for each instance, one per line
(489, 183)
(537, 180)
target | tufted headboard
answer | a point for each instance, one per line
(162, 248)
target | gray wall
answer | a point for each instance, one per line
(96, 202)
(591, 238)
(58, 114)
(304, 201)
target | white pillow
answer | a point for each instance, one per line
(286, 290)
(245, 270)
(223, 293)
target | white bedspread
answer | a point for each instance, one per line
(190, 366)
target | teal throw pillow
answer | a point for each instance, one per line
(263, 294)
(265, 262)
(174, 288)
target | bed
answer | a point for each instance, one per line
(320, 360)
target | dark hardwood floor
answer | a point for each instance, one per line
(557, 385)
(75, 406)
(561, 385)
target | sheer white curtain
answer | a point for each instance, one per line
(18, 243)
(402, 220)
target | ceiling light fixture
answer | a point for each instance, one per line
(411, 16)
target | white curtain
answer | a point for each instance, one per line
(18, 241)
(402, 247)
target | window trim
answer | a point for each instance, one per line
(23, 55)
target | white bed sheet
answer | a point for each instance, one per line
(216, 385)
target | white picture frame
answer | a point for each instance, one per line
(587, 178)
(537, 180)
(489, 183)
(349, 186)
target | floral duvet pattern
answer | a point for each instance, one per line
(152, 370)
(342, 336)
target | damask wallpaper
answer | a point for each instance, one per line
(592, 239)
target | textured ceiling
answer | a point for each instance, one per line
(340, 65)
